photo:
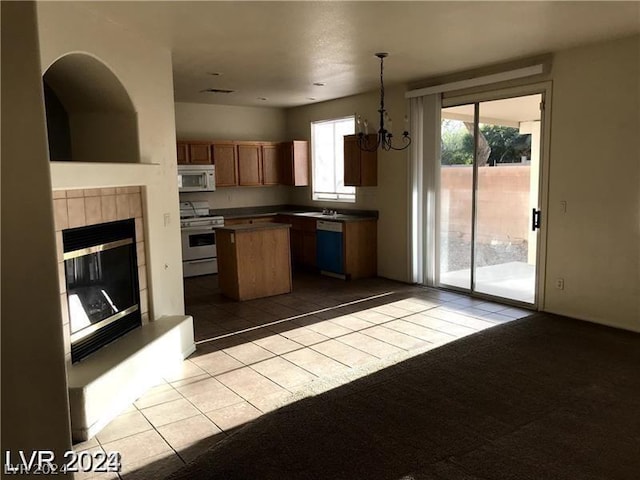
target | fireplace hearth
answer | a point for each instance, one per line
(101, 275)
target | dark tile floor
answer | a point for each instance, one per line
(255, 356)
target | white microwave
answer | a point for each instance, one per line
(196, 178)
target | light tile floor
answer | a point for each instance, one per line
(253, 357)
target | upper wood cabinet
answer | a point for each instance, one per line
(271, 164)
(295, 163)
(183, 153)
(197, 153)
(249, 164)
(225, 159)
(360, 167)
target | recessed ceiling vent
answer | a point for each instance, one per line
(217, 90)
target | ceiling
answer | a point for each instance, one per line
(278, 50)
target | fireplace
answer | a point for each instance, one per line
(101, 276)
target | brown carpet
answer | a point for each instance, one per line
(545, 397)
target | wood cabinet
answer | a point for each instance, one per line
(360, 167)
(252, 220)
(360, 248)
(271, 164)
(254, 260)
(295, 163)
(183, 153)
(249, 164)
(348, 249)
(303, 240)
(196, 153)
(225, 159)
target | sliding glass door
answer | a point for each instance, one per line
(488, 197)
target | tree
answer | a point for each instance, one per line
(456, 145)
(496, 144)
(507, 144)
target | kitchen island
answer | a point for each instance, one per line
(254, 260)
(349, 253)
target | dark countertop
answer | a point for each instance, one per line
(250, 227)
(301, 210)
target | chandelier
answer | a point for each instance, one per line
(384, 137)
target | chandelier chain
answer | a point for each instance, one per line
(384, 137)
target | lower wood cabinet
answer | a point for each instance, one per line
(251, 220)
(254, 260)
(303, 240)
(360, 249)
(359, 245)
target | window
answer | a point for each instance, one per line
(327, 156)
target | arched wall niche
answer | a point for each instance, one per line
(90, 115)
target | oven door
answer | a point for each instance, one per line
(198, 243)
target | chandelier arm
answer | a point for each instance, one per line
(404, 139)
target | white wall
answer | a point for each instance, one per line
(390, 196)
(35, 411)
(196, 121)
(199, 121)
(104, 137)
(69, 27)
(595, 168)
(236, 197)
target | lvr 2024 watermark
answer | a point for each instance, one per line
(43, 462)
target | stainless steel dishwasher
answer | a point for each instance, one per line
(329, 248)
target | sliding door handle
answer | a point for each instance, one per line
(536, 218)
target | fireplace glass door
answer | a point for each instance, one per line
(102, 285)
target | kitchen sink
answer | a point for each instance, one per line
(328, 217)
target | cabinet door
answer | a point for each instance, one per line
(361, 249)
(200, 153)
(271, 169)
(286, 163)
(182, 153)
(297, 250)
(360, 167)
(369, 168)
(351, 161)
(300, 161)
(309, 249)
(249, 164)
(295, 163)
(225, 160)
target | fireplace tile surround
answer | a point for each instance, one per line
(106, 382)
(83, 207)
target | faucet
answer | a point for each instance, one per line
(327, 211)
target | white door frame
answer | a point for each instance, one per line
(543, 88)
